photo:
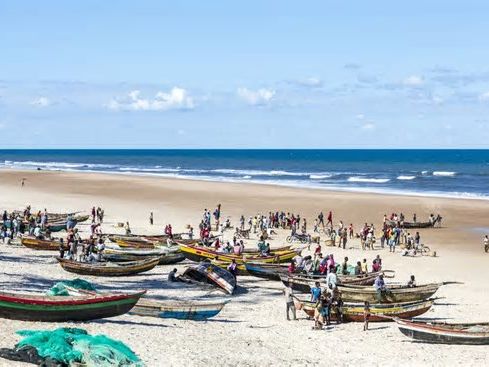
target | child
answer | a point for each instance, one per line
(366, 315)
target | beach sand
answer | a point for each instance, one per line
(252, 329)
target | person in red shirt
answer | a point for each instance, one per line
(330, 218)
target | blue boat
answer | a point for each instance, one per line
(197, 311)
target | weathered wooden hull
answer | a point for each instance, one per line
(62, 309)
(109, 269)
(36, 244)
(205, 272)
(171, 255)
(301, 284)
(178, 310)
(412, 224)
(353, 312)
(195, 253)
(438, 333)
(396, 294)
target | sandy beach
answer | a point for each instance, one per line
(252, 329)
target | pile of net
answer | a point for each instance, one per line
(68, 346)
(63, 288)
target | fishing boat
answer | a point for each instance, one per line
(445, 333)
(181, 310)
(29, 307)
(198, 253)
(167, 255)
(241, 270)
(56, 226)
(395, 294)
(304, 284)
(354, 312)
(37, 244)
(205, 272)
(109, 269)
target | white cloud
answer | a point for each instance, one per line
(413, 81)
(259, 97)
(311, 82)
(368, 126)
(41, 102)
(484, 97)
(176, 99)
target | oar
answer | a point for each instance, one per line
(447, 283)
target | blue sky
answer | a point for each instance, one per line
(263, 74)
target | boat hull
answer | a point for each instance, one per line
(438, 334)
(63, 309)
(397, 294)
(178, 310)
(109, 269)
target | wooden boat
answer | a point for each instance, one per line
(304, 284)
(135, 244)
(56, 226)
(410, 225)
(205, 272)
(224, 265)
(166, 255)
(381, 312)
(37, 244)
(181, 310)
(396, 293)
(28, 307)
(197, 253)
(445, 333)
(109, 269)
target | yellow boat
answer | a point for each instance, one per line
(198, 253)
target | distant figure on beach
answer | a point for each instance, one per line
(151, 218)
(412, 282)
(172, 277)
(22, 182)
(330, 219)
(127, 228)
(486, 243)
(366, 315)
(289, 302)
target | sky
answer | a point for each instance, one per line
(244, 74)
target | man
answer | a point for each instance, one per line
(331, 278)
(380, 287)
(344, 267)
(315, 292)
(172, 275)
(486, 243)
(289, 302)
(358, 268)
(330, 219)
(151, 218)
(321, 219)
(364, 267)
(233, 268)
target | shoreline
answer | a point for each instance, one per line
(333, 189)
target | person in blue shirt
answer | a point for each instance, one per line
(315, 292)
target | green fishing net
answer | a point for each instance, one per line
(60, 288)
(69, 345)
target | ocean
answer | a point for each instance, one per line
(446, 173)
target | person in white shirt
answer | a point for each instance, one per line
(332, 279)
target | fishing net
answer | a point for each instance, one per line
(69, 345)
(62, 288)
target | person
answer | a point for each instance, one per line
(344, 267)
(292, 268)
(337, 303)
(330, 219)
(289, 302)
(127, 228)
(350, 231)
(151, 218)
(358, 268)
(414, 217)
(331, 278)
(324, 309)
(172, 275)
(62, 248)
(486, 243)
(366, 315)
(412, 282)
(233, 268)
(321, 219)
(364, 267)
(23, 182)
(380, 287)
(315, 292)
(375, 266)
